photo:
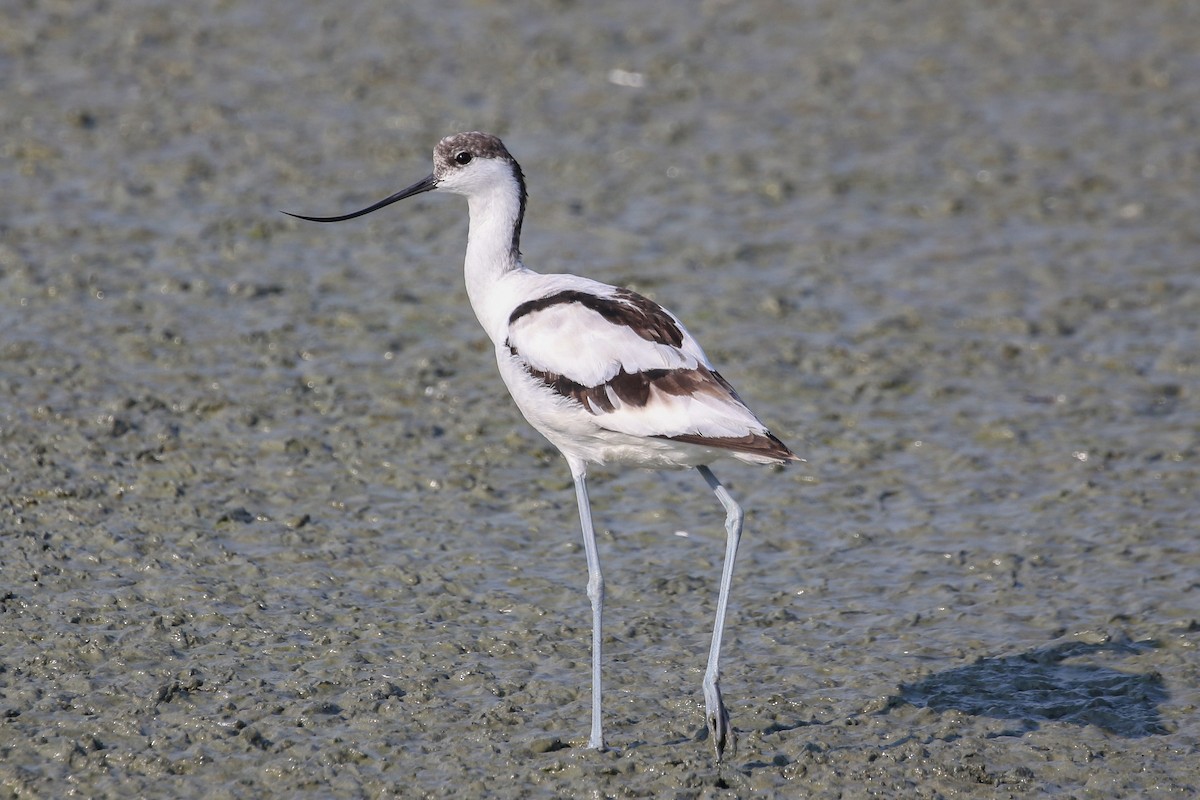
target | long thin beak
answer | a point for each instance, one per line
(424, 185)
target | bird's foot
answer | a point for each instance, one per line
(719, 727)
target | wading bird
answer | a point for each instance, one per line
(606, 375)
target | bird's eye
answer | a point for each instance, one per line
(463, 158)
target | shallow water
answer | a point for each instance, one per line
(271, 528)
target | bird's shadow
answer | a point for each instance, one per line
(1039, 686)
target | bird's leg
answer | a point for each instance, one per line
(718, 718)
(595, 592)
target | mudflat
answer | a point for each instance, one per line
(271, 527)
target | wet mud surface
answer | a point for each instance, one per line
(270, 528)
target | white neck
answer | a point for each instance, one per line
(491, 253)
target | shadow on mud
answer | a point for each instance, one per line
(1038, 686)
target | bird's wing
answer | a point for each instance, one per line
(631, 364)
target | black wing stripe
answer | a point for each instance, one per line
(628, 309)
(759, 444)
(632, 389)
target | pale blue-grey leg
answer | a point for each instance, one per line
(595, 592)
(714, 708)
